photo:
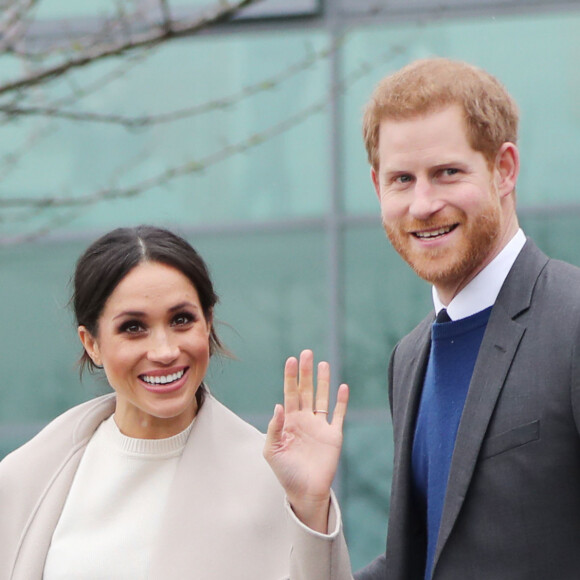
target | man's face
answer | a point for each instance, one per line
(440, 206)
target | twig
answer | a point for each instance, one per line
(191, 167)
(16, 110)
(149, 38)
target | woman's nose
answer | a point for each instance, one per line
(162, 349)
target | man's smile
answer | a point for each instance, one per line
(431, 234)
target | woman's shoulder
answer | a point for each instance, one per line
(231, 451)
(70, 429)
(224, 437)
(223, 423)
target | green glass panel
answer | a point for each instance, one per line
(557, 235)
(273, 304)
(366, 473)
(384, 300)
(37, 336)
(260, 152)
(65, 9)
(532, 55)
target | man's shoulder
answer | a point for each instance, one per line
(558, 286)
(562, 268)
(416, 337)
(549, 277)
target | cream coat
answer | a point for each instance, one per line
(226, 516)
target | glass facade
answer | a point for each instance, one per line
(247, 141)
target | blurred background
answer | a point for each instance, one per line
(240, 129)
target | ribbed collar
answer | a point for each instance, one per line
(151, 448)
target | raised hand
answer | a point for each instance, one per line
(302, 447)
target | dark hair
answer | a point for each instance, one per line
(110, 258)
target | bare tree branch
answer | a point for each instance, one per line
(13, 159)
(16, 110)
(166, 12)
(51, 212)
(149, 38)
(12, 22)
(198, 166)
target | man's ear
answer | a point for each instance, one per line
(90, 345)
(375, 180)
(507, 168)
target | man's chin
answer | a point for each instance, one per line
(439, 272)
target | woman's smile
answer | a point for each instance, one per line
(164, 381)
(153, 342)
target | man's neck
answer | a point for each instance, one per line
(482, 290)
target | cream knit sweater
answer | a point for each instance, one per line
(111, 516)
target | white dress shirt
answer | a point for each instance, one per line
(482, 291)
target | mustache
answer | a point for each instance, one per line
(435, 223)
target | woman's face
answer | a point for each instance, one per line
(153, 342)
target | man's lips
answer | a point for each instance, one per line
(434, 233)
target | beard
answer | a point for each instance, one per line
(449, 265)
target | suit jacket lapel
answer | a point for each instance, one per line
(498, 349)
(405, 532)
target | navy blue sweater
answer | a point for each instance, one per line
(454, 349)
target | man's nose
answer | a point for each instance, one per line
(426, 200)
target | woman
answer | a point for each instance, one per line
(158, 480)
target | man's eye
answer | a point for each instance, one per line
(404, 179)
(450, 171)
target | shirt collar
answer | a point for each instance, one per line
(482, 291)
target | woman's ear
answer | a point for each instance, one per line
(209, 321)
(90, 345)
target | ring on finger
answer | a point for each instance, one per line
(320, 411)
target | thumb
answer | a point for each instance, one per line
(274, 433)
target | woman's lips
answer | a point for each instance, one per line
(164, 381)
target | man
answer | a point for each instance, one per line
(485, 398)
(485, 406)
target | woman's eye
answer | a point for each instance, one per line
(132, 327)
(183, 319)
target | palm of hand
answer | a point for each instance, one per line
(302, 447)
(305, 457)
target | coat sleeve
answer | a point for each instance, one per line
(376, 570)
(316, 555)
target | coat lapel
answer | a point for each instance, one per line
(63, 443)
(498, 349)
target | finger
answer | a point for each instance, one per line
(341, 405)
(322, 388)
(274, 433)
(291, 396)
(305, 384)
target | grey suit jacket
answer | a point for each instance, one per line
(512, 506)
(225, 517)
